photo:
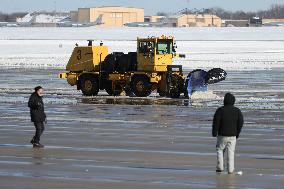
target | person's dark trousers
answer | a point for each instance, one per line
(39, 130)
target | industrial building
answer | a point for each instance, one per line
(154, 18)
(108, 16)
(194, 20)
(235, 23)
(273, 22)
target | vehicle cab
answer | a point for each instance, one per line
(155, 53)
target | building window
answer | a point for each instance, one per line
(118, 15)
(115, 15)
(200, 19)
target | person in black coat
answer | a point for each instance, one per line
(227, 125)
(37, 114)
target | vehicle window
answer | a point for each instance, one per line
(164, 47)
(146, 47)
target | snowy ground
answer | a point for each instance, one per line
(122, 142)
(229, 48)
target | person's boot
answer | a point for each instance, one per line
(33, 141)
(219, 171)
(38, 145)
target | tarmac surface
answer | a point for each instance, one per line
(121, 142)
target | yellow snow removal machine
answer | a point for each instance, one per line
(92, 68)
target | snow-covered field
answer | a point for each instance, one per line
(233, 49)
(228, 48)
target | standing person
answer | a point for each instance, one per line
(37, 115)
(227, 125)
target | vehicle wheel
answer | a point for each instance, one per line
(110, 91)
(141, 87)
(89, 86)
(177, 86)
(161, 93)
(174, 94)
(185, 92)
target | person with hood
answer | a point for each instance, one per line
(227, 125)
(37, 115)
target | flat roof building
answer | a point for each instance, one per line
(154, 18)
(195, 20)
(108, 16)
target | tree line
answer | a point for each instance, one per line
(275, 11)
(4, 17)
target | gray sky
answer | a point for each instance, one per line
(150, 6)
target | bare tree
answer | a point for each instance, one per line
(162, 14)
(11, 17)
(275, 11)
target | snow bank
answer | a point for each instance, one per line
(44, 18)
(228, 48)
(130, 34)
(208, 95)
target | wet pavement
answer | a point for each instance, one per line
(121, 142)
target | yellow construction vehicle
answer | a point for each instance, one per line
(92, 68)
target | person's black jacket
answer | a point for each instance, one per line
(36, 108)
(228, 119)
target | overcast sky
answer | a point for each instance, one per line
(150, 6)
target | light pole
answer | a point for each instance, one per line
(187, 22)
(54, 6)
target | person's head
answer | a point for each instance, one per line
(229, 99)
(39, 90)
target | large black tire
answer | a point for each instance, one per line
(161, 93)
(177, 86)
(108, 65)
(141, 86)
(185, 92)
(89, 86)
(174, 94)
(110, 91)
